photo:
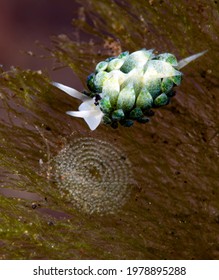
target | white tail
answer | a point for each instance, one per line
(182, 63)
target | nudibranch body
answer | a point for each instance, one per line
(125, 88)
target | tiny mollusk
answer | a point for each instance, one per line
(125, 88)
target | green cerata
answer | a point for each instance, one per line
(123, 89)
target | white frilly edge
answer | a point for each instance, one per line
(87, 110)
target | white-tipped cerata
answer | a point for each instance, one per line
(160, 69)
(182, 63)
(122, 89)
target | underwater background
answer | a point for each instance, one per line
(164, 173)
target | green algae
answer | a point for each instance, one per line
(175, 157)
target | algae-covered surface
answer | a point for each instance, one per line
(173, 209)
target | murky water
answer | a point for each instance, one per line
(173, 212)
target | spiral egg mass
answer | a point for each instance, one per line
(94, 175)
